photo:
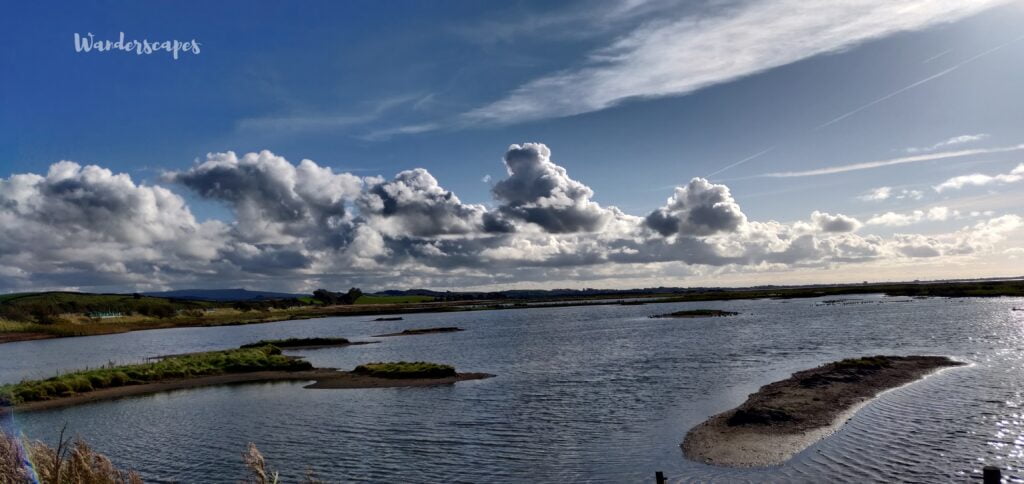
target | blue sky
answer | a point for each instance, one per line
(632, 99)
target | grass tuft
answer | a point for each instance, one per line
(405, 369)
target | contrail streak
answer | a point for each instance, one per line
(894, 161)
(738, 163)
(918, 83)
(936, 56)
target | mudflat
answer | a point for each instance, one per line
(412, 332)
(787, 416)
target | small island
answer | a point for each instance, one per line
(696, 313)
(412, 332)
(398, 318)
(244, 365)
(305, 343)
(787, 416)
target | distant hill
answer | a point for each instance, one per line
(228, 295)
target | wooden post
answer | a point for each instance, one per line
(659, 477)
(991, 475)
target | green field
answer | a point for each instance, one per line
(374, 299)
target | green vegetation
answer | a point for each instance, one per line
(405, 369)
(53, 307)
(327, 297)
(298, 342)
(374, 299)
(175, 367)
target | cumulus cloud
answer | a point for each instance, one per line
(274, 201)
(838, 223)
(541, 192)
(978, 179)
(297, 225)
(699, 208)
(414, 204)
(79, 222)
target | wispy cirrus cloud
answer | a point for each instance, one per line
(319, 121)
(953, 141)
(831, 170)
(680, 55)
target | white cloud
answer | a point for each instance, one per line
(837, 223)
(679, 55)
(304, 224)
(978, 179)
(885, 193)
(894, 219)
(955, 140)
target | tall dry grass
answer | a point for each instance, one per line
(74, 462)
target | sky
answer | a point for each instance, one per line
(495, 145)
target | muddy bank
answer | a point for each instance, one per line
(697, 313)
(352, 380)
(411, 332)
(787, 416)
(14, 337)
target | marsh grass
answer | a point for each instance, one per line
(175, 367)
(405, 369)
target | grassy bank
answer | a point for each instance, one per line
(186, 366)
(405, 369)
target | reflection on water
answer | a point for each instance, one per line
(597, 393)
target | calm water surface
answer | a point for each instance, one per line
(583, 394)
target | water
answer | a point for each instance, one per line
(583, 394)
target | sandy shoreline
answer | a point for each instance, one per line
(321, 378)
(786, 417)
